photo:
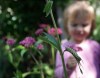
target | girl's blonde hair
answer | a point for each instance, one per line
(79, 9)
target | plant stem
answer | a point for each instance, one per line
(41, 69)
(34, 58)
(61, 54)
(54, 23)
(38, 52)
(64, 67)
(42, 74)
(53, 55)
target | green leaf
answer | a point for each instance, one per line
(48, 7)
(18, 74)
(74, 54)
(20, 47)
(26, 74)
(23, 52)
(46, 40)
(10, 57)
(51, 40)
(80, 69)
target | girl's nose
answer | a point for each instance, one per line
(79, 28)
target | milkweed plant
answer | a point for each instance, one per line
(30, 46)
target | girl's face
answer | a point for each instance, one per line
(79, 29)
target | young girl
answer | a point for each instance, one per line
(79, 21)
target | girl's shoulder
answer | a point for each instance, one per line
(93, 43)
(65, 43)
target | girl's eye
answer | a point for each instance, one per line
(84, 25)
(74, 25)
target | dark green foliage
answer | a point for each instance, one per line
(21, 18)
(48, 7)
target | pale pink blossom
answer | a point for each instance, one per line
(52, 31)
(59, 31)
(40, 47)
(39, 31)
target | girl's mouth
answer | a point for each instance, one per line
(81, 34)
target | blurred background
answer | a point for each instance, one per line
(20, 19)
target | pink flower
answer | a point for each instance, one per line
(52, 31)
(39, 31)
(10, 41)
(27, 42)
(43, 25)
(40, 47)
(59, 31)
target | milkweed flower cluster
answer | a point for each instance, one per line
(59, 30)
(39, 31)
(27, 42)
(40, 47)
(48, 29)
(52, 31)
(10, 41)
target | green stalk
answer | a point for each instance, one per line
(54, 23)
(61, 54)
(34, 58)
(64, 67)
(41, 70)
(53, 55)
(42, 74)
